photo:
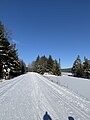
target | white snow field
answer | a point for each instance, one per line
(29, 96)
(80, 86)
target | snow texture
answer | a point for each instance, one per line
(80, 86)
(29, 96)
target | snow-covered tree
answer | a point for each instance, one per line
(44, 64)
(1, 37)
(77, 68)
(4, 50)
(50, 63)
(86, 68)
(9, 62)
(40, 64)
(56, 68)
(14, 61)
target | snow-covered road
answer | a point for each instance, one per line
(29, 96)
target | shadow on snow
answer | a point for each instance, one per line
(48, 117)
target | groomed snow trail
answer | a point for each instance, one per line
(29, 96)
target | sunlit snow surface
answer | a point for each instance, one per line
(29, 96)
(80, 86)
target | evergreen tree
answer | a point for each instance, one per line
(23, 67)
(4, 50)
(32, 67)
(37, 65)
(50, 63)
(38, 58)
(86, 68)
(56, 68)
(14, 61)
(44, 64)
(1, 31)
(77, 68)
(1, 37)
(9, 61)
(40, 64)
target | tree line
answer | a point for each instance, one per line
(10, 65)
(81, 69)
(45, 64)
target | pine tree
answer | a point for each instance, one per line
(31, 67)
(9, 61)
(44, 64)
(23, 67)
(14, 61)
(50, 64)
(56, 68)
(77, 68)
(36, 64)
(40, 64)
(1, 37)
(86, 68)
(4, 50)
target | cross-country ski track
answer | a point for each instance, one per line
(29, 96)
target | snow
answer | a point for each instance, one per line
(66, 73)
(80, 86)
(2, 80)
(29, 96)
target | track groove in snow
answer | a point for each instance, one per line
(28, 97)
(63, 97)
(7, 85)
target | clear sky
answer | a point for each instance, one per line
(60, 28)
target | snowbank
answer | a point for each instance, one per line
(1, 80)
(78, 85)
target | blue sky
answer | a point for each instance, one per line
(60, 28)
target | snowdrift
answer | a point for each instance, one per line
(80, 86)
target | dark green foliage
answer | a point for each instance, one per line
(4, 50)
(14, 62)
(10, 65)
(81, 70)
(4, 58)
(86, 68)
(44, 64)
(39, 65)
(56, 68)
(23, 67)
(77, 68)
(1, 31)
(50, 63)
